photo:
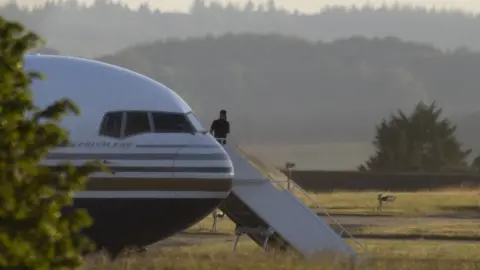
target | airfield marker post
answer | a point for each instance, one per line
(214, 226)
(236, 242)
(289, 166)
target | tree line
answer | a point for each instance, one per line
(287, 89)
(72, 27)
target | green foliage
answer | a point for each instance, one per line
(419, 142)
(33, 232)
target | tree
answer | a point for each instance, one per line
(271, 6)
(34, 231)
(198, 7)
(418, 142)
(475, 166)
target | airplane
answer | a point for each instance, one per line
(168, 172)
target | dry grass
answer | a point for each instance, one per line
(384, 255)
(452, 228)
(446, 202)
(419, 249)
(464, 228)
(407, 203)
(224, 226)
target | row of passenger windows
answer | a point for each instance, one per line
(130, 123)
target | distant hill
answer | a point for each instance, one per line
(284, 89)
(107, 26)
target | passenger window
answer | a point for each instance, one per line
(137, 122)
(171, 122)
(112, 125)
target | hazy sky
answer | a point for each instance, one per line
(301, 5)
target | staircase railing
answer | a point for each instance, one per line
(265, 169)
(343, 230)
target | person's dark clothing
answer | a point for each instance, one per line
(220, 128)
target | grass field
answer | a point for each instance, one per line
(441, 202)
(444, 203)
(449, 203)
(457, 228)
(214, 251)
(460, 201)
(463, 228)
(383, 255)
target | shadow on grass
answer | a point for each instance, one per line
(197, 234)
(369, 214)
(464, 211)
(416, 237)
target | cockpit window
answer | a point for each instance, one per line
(129, 123)
(112, 124)
(137, 122)
(193, 119)
(164, 122)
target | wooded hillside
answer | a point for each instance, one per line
(107, 26)
(288, 89)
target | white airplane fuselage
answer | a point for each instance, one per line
(167, 172)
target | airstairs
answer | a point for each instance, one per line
(273, 216)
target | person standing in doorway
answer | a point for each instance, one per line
(220, 128)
